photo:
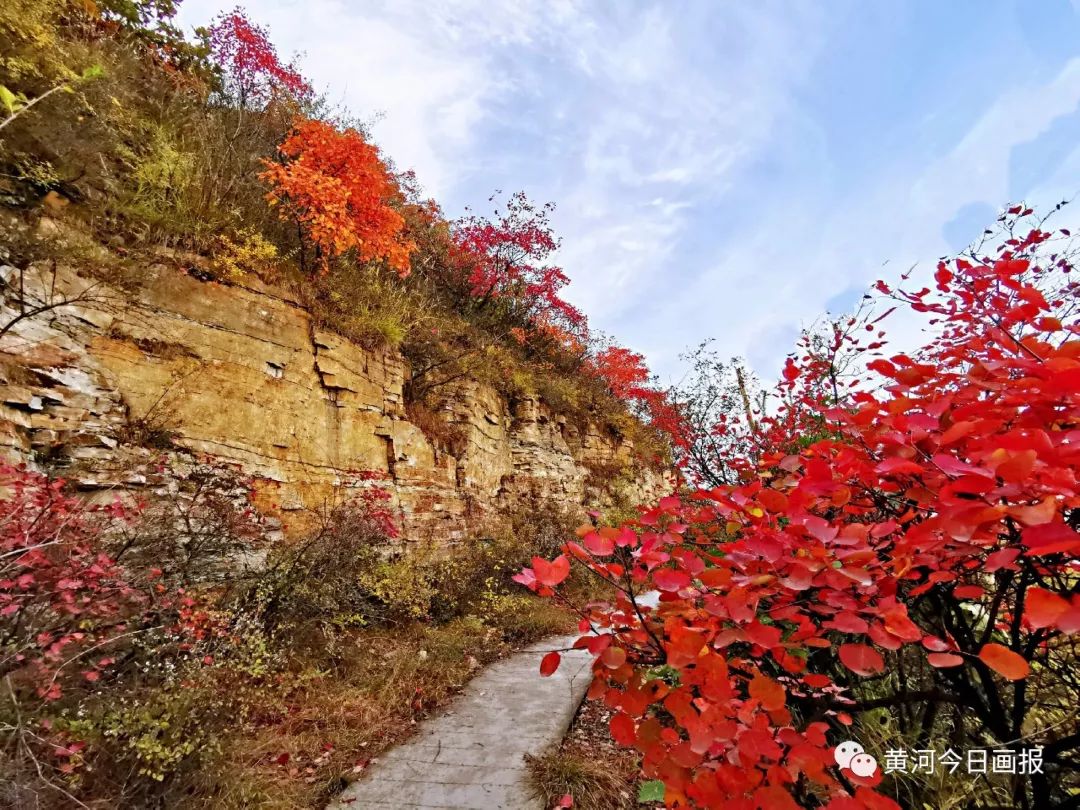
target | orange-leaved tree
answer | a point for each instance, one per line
(897, 565)
(341, 194)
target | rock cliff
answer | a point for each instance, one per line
(241, 372)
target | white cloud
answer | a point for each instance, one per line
(780, 277)
(670, 114)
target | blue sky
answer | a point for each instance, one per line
(721, 169)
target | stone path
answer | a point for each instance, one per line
(471, 756)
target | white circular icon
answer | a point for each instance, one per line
(863, 765)
(845, 751)
(849, 754)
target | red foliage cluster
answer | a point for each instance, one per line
(60, 595)
(624, 371)
(373, 500)
(72, 613)
(628, 378)
(336, 185)
(250, 62)
(507, 257)
(935, 516)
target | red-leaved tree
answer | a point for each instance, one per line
(507, 259)
(61, 595)
(895, 564)
(252, 72)
(627, 376)
(624, 371)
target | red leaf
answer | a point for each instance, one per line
(774, 797)
(847, 622)
(943, 275)
(969, 592)
(1069, 622)
(897, 622)
(884, 639)
(861, 659)
(597, 644)
(820, 528)
(549, 663)
(943, 660)
(935, 644)
(599, 545)
(1005, 662)
(551, 573)
(622, 729)
(898, 466)
(1050, 538)
(1043, 608)
(1005, 558)
(526, 577)
(670, 579)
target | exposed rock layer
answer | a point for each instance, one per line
(241, 372)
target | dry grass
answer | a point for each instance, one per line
(589, 766)
(435, 426)
(321, 733)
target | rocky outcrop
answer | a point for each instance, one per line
(242, 373)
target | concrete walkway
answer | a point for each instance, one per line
(471, 756)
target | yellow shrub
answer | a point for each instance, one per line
(402, 585)
(29, 48)
(250, 253)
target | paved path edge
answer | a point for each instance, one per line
(470, 755)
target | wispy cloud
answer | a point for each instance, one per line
(785, 273)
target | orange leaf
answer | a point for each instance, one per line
(1037, 515)
(772, 500)
(768, 691)
(613, 657)
(1043, 608)
(1005, 662)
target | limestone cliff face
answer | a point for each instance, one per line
(241, 373)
